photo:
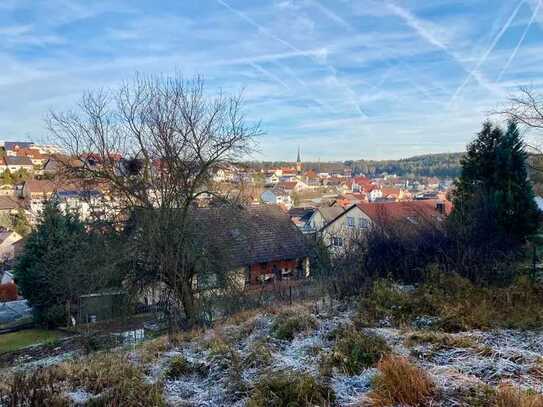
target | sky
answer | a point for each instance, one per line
(342, 79)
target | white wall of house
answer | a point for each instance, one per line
(340, 233)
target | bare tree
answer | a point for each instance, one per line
(152, 145)
(526, 108)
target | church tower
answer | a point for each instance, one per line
(298, 163)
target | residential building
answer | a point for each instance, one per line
(256, 244)
(322, 216)
(15, 163)
(356, 221)
(277, 196)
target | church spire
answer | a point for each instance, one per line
(299, 162)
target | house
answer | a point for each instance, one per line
(37, 157)
(16, 163)
(8, 239)
(277, 196)
(291, 186)
(254, 244)
(322, 216)
(11, 147)
(374, 193)
(361, 184)
(300, 216)
(9, 205)
(83, 202)
(357, 220)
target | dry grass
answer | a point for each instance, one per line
(458, 304)
(440, 340)
(353, 352)
(510, 396)
(284, 389)
(401, 383)
(290, 322)
(112, 378)
(151, 350)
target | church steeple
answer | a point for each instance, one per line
(299, 163)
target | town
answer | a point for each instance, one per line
(287, 203)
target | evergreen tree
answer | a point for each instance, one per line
(493, 199)
(56, 266)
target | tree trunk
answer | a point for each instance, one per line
(187, 299)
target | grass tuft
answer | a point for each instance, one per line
(290, 389)
(401, 383)
(353, 352)
(287, 324)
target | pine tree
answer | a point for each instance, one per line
(493, 198)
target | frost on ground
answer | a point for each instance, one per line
(492, 358)
(221, 366)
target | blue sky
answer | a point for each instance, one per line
(345, 79)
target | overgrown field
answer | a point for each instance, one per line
(396, 346)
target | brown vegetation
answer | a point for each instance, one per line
(401, 383)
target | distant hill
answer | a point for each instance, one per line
(428, 165)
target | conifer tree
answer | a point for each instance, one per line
(493, 198)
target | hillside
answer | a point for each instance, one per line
(474, 348)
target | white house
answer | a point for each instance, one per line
(8, 238)
(276, 196)
(14, 164)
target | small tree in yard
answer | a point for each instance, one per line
(493, 199)
(171, 136)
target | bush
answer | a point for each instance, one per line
(290, 389)
(353, 352)
(288, 324)
(401, 383)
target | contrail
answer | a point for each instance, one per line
(270, 75)
(350, 93)
(521, 40)
(487, 52)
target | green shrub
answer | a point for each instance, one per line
(288, 324)
(353, 352)
(291, 389)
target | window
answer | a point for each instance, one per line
(337, 241)
(363, 223)
(350, 221)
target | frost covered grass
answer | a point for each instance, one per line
(242, 362)
(290, 323)
(288, 389)
(450, 303)
(353, 351)
(107, 379)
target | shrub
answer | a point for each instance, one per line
(353, 352)
(290, 389)
(288, 324)
(401, 383)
